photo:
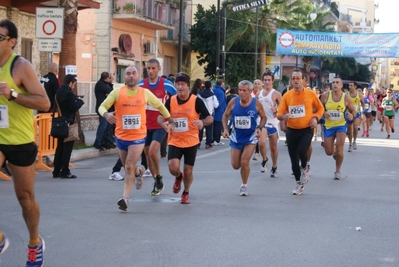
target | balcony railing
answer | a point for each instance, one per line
(156, 10)
(173, 35)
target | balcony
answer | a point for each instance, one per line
(172, 36)
(150, 14)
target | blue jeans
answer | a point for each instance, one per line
(208, 133)
(217, 131)
(102, 128)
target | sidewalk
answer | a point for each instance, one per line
(87, 153)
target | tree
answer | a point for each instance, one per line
(320, 24)
(68, 52)
(344, 67)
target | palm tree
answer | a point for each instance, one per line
(320, 24)
(68, 52)
(278, 13)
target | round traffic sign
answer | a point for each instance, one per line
(49, 27)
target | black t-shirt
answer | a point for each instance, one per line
(200, 107)
(51, 85)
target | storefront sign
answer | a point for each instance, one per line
(337, 44)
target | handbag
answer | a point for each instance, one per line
(59, 125)
(73, 132)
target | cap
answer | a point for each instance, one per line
(182, 77)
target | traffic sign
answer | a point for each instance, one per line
(49, 23)
(49, 45)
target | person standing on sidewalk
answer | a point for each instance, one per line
(20, 93)
(68, 105)
(102, 90)
(130, 118)
(211, 102)
(220, 94)
(244, 111)
(296, 108)
(51, 84)
(335, 103)
(185, 108)
(163, 89)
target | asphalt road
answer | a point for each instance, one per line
(352, 222)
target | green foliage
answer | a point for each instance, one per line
(347, 69)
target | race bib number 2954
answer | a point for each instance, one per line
(297, 111)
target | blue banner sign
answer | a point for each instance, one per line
(337, 44)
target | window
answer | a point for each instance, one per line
(26, 49)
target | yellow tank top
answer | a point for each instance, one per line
(336, 110)
(16, 121)
(355, 101)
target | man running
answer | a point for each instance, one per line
(296, 108)
(163, 89)
(183, 132)
(353, 125)
(130, 118)
(20, 92)
(270, 99)
(244, 111)
(335, 103)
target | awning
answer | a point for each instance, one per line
(30, 5)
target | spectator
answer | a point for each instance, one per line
(51, 83)
(197, 86)
(68, 105)
(211, 102)
(220, 94)
(101, 90)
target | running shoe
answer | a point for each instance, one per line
(263, 167)
(116, 176)
(123, 203)
(305, 175)
(363, 133)
(337, 176)
(139, 179)
(354, 146)
(147, 173)
(367, 134)
(208, 147)
(217, 144)
(185, 198)
(35, 254)
(243, 191)
(392, 130)
(4, 245)
(389, 136)
(158, 186)
(350, 148)
(256, 156)
(177, 184)
(273, 172)
(322, 144)
(298, 189)
(315, 138)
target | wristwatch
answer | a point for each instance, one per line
(13, 95)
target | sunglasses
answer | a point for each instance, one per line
(296, 78)
(4, 37)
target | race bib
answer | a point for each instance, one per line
(180, 125)
(335, 115)
(242, 122)
(131, 122)
(4, 116)
(151, 108)
(297, 111)
(366, 106)
(389, 108)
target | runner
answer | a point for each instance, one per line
(130, 132)
(389, 104)
(162, 88)
(270, 99)
(335, 103)
(366, 117)
(296, 108)
(380, 109)
(183, 132)
(244, 111)
(20, 92)
(353, 125)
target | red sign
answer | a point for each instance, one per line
(313, 75)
